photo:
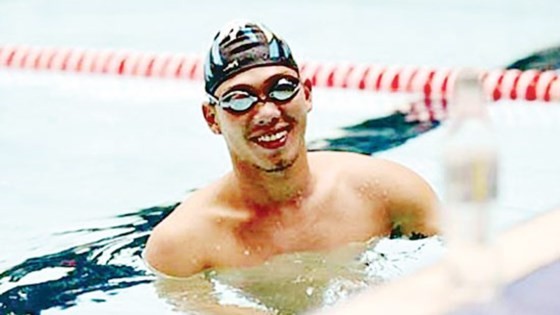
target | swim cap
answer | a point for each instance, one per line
(242, 45)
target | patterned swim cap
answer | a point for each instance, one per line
(242, 45)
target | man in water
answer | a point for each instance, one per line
(279, 198)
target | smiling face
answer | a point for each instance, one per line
(269, 135)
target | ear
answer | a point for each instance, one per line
(307, 89)
(209, 113)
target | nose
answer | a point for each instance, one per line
(268, 113)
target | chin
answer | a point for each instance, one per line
(279, 166)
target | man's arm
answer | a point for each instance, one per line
(411, 203)
(175, 253)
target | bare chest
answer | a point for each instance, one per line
(323, 224)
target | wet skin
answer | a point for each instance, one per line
(279, 198)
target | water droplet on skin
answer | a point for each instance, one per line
(309, 291)
(367, 189)
(218, 247)
(299, 279)
(246, 252)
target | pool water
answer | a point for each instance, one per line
(286, 284)
(84, 159)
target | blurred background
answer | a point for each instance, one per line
(429, 32)
(77, 150)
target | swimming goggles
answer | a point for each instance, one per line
(239, 101)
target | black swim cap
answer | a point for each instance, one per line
(242, 45)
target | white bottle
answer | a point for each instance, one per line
(471, 188)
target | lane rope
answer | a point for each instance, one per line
(435, 85)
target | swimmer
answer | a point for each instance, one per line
(278, 198)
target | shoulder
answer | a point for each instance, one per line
(339, 160)
(354, 166)
(178, 246)
(361, 167)
(410, 202)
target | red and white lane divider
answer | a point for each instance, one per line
(434, 84)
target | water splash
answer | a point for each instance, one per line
(287, 284)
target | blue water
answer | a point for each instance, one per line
(89, 266)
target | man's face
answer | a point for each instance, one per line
(270, 134)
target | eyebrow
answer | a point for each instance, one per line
(266, 82)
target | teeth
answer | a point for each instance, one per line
(273, 137)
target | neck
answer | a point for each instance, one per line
(263, 189)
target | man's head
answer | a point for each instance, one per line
(242, 45)
(256, 99)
